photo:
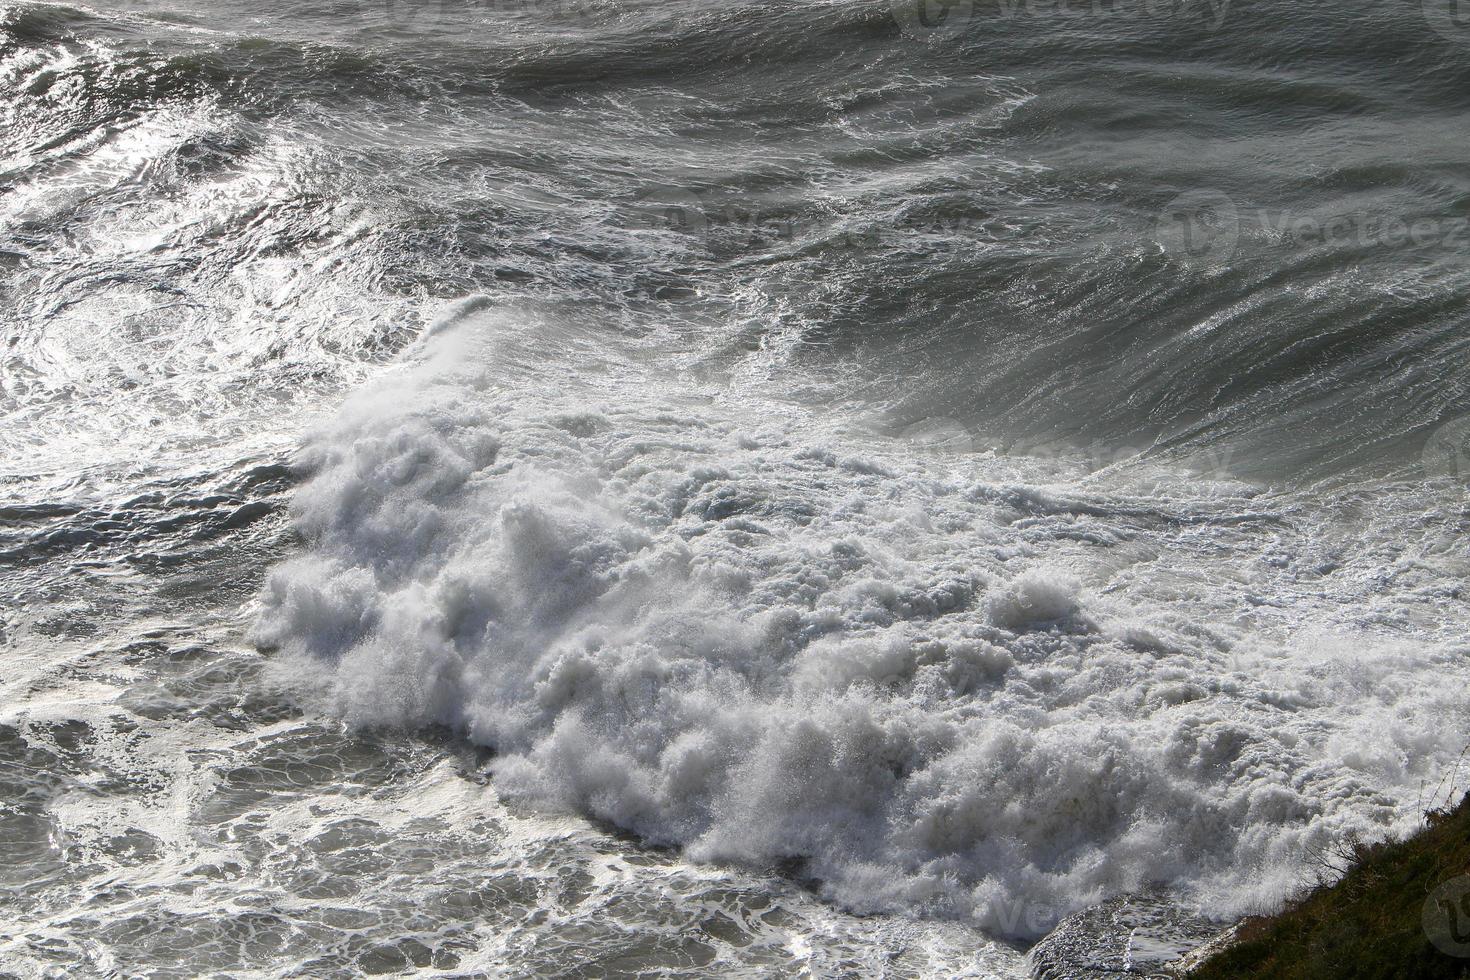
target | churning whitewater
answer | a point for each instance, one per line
(762, 488)
(943, 682)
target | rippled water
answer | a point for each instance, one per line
(617, 487)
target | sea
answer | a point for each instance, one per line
(770, 488)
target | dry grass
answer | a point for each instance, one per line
(1365, 917)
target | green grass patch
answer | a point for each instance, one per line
(1399, 909)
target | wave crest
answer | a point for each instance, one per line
(735, 632)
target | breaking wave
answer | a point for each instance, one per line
(947, 682)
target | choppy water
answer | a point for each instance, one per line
(814, 489)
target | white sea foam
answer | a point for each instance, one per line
(940, 685)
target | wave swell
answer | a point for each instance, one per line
(933, 682)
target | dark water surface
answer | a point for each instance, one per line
(819, 488)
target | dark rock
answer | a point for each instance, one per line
(1128, 937)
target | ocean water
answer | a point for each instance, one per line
(637, 487)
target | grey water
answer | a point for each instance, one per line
(637, 487)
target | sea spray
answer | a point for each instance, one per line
(724, 632)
